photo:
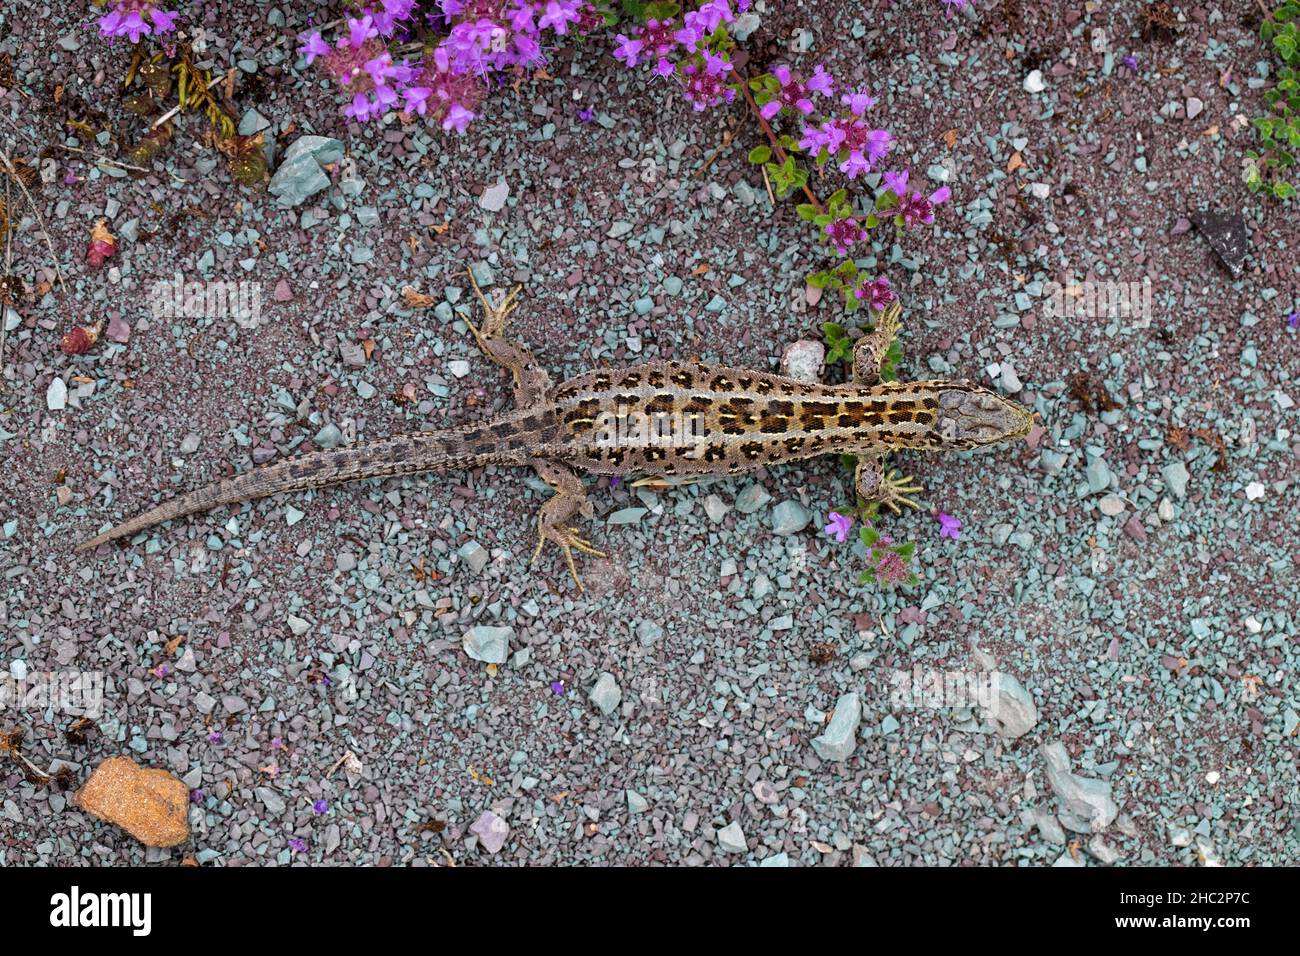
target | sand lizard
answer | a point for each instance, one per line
(737, 419)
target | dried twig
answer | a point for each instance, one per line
(8, 277)
(40, 220)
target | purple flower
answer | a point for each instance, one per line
(521, 18)
(1293, 320)
(665, 68)
(298, 845)
(876, 294)
(196, 796)
(457, 118)
(858, 103)
(716, 65)
(361, 109)
(628, 50)
(855, 165)
(821, 81)
(360, 30)
(528, 52)
(417, 99)
(277, 743)
(844, 234)
(949, 527)
(793, 94)
(815, 138)
(878, 144)
(705, 88)
(134, 26)
(215, 737)
(689, 37)
(917, 208)
(559, 14)
(952, 7)
(320, 806)
(314, 46)
(164, 21)
(557, 687)
(615, 481)
(1131, 62)
(896, 183)
(839, 526)
(588, 114)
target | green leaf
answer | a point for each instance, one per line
(905, 551)
(869, 535)
(760, 155)
(807, 211)
(1283, 190)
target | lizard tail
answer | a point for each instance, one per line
(469, 447)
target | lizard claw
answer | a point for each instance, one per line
(568, 540)
(494, 322)
(894, 491)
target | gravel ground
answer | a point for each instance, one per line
(1131, 569)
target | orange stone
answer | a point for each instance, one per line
(151, 805)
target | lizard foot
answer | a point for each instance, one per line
(568, 540)
(494, 317)
(894, 491)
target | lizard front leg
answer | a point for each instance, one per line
(532, 383)
(569, 500)
(874, 484)
(869, 351)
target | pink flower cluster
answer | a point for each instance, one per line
(846, 137)
(136, 18)
(484, 37)
(686, 53)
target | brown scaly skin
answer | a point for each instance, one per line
(729, 420)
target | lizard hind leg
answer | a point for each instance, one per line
(874, 484)
(870, 351)
(531, 380)
(570, 499)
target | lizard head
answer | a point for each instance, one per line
(971, 416)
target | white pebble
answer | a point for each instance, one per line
(1254, 491)
(1034, 82)
(56, 396)
(1212, 777)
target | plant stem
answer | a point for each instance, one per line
(772, 137)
